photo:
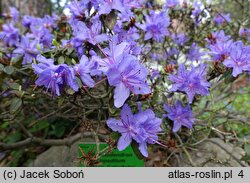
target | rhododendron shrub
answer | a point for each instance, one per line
(139, 69)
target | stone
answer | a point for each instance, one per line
(59, 156)
(212, 153)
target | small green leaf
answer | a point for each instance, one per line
(16, 59)
(79, 82)
(115, 135)
(55, 43)
(9, 70)
(61, 60)
(228, 77)
(70, 91)
(60, 101)
(14, 86)
(13, 137)
(155, 97)
(59, 130)
(40, 126)
(70, 51)
(73, 61)
(1, 67)
(38, 47)
(15, 104)
(164, 98)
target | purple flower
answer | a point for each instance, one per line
(157, 56)
(127, 126)
(107, 5)
(48, 22)
(154, 73)
(123, 6)
(51, 80)
(239, 58)
(125, 16)
(27, 21)
(114, 55)
(141, 127)
(46, 39)
(82, 33)
(54, 77)
(222, 18)
(132, 3)
(127, 75)
(43, 64)
(181, 116)
(27, 49)
(155, 27)
(194, 53)
(172, 3)
(78, 39)
(77, 8)
(180, 39)
(84, 69)
(197, 9)
(172, 52)
(10, 34)
(218, 36)
(130, 35)
(93, 34)
(244, 32)
(220, 50)
(151, 125)
(179, 80)
(39, 32)
(13, 14)
(191, 82)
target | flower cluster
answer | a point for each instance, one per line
(27, 49)
(128, 75)
(172, 3)
(194, 53)
(181, 116)
(10, 34)
(232, 54)
(155, 28)
(191, 82)
(13, 14)
(141, 127)
(54, 77)
(238, 59)
(222, 18)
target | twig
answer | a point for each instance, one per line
(46, 142)
(230, 153)
(24, 129)
(46, 116)
(185, 150)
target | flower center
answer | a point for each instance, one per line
(56, 74)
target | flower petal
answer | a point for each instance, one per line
(120, 95)
(176, 127)
(143, 149)
(114, 76)
(124, 141)
(116, 125)
(87, 80)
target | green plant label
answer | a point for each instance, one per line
(109, 158)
